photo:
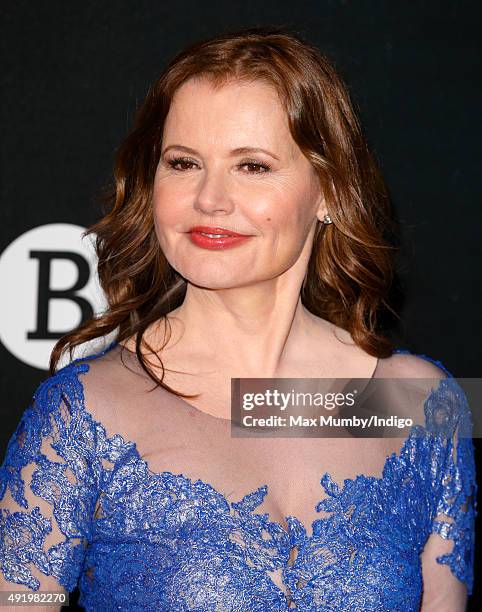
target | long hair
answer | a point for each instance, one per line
(350, 270)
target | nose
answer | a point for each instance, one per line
(212, 193)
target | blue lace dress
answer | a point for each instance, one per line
(80, 505)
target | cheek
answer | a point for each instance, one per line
(165, 221)
(288, 195)
(166, 207)
(286, 212)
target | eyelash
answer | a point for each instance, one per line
(251, 162)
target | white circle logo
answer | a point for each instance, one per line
(49, 286)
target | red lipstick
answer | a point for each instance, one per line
(215, 238)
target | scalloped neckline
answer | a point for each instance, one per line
(394, 458)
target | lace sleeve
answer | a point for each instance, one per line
(48, 487)
(455, 504)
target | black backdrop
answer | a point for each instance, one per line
(73, 72)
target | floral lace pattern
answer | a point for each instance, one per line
(163, 541)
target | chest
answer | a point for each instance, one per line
(189, 518)
(193, 437)
(291, 468)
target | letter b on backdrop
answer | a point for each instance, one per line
(49, 286)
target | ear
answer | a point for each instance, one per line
(321, 202)
(322, 208)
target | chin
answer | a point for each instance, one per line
(211, 283)
(214, 280)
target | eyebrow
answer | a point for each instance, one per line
(238, 151)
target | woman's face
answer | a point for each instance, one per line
(205, 179)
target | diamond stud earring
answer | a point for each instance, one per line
(327, 220)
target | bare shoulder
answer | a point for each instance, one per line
(110, 382)
(103, 371)
(411, 380)
(410, 365)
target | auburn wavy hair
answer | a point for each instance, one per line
(351, 268)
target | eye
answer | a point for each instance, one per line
(183, 161)
(251, 163)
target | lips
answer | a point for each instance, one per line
(216, 238)
(214, 231)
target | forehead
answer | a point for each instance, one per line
(237, 113)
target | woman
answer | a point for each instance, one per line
(247, 237)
